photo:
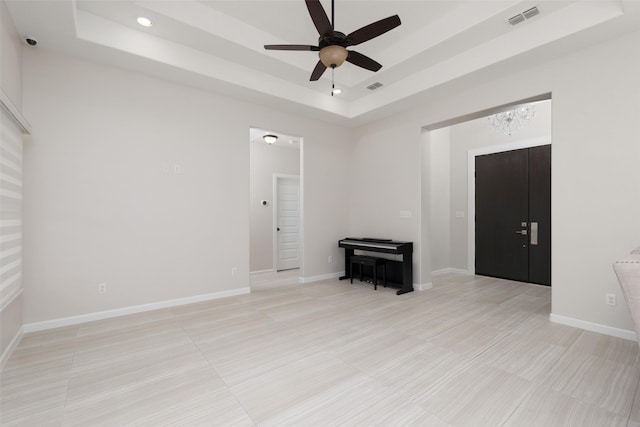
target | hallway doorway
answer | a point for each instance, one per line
(270, 159)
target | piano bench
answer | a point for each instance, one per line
(374, 262)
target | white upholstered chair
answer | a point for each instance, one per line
(628, 271)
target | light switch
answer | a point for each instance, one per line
(177, 168)
(405, 214)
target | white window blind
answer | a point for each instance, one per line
(10, 208)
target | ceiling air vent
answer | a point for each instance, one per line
(374, 86)
(530, 13)
(515, 20)
(521, 17)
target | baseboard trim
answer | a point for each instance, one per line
(100, 315)
(258, 272)
(9, 350)
(423, 286)
(321, 277)
(450, 270)
(594, 327)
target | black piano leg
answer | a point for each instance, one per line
(407, 275)
(347, 264)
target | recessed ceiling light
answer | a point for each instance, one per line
(145, 22)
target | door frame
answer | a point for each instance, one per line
(274, 238)
(471, 187)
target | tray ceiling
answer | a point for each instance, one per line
(218, 45)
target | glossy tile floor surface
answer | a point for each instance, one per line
(472, 351)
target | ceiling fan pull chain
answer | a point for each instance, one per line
(333, 86)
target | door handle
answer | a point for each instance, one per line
(534, 233)
(278, 229)
(523, 232)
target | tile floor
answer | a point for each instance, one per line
(472, 351)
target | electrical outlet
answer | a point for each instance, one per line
(611, 300)
(102, 288)
(234, 271)
(177, 168)
(330, 259)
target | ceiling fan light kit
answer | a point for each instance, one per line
(332, 45)
(333, 56)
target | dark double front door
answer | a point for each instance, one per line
(513, 215)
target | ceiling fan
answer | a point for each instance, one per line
(332, 45)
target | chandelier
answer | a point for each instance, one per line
(509, 121)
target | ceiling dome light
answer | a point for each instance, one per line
(333, 56)
(270, 139)
(337, 91)
(145, 22)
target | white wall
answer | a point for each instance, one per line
(100, 209)
(596, 178)
(11, 64)
(265, 161)
(386, 179)
(326, 171)
(440, 198)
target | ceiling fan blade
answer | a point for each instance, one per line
(363, 61)
(319, 18)
(291, 47)
(318, 71)
(373, 30)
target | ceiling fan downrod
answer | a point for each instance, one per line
(333, 23)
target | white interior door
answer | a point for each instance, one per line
(287, 223)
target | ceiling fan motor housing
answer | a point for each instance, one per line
(337, 38)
